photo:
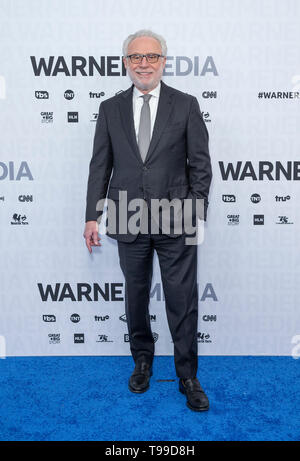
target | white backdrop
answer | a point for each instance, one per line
(223, 52)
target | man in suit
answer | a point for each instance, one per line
(153, 140)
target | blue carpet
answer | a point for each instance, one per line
(86, 398)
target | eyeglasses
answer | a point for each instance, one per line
(151, 57)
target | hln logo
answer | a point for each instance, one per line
(72, 117)
(258, 219)
(78, 338)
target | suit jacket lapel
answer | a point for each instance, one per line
(163, 112)
(126, 111)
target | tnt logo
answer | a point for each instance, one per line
(2, 87)
(75, 318)
(255, 198)
(69, 95)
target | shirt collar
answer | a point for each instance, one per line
(155, 92)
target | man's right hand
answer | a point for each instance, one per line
(91, 235)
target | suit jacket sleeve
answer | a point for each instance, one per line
(100, 167)
(199, 164)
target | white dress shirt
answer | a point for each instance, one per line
(137, 103)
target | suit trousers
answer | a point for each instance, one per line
(178, 266)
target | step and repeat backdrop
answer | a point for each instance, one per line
(59, 60)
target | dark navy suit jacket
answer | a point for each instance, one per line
(177, 164)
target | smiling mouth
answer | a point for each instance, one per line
(143, 73)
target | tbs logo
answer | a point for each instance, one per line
(41, 94)
(49, 318)
(228, 198)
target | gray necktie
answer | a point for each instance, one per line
(145, 127)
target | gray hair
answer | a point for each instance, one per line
(145, 33)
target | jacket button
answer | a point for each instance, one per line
(145, 168)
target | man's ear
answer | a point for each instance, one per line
(125, 62)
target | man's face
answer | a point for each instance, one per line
(145, 76)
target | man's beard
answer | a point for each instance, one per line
(144, 86)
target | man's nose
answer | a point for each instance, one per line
(144, 61)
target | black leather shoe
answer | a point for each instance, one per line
(140, 378)
(196, 399)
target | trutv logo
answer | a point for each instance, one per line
(15, 172)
